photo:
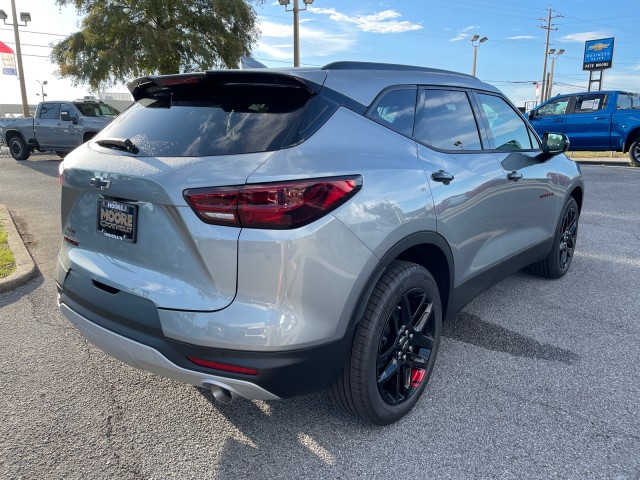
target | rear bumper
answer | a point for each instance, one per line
(139, 342)
(146, 358)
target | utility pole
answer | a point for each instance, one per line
(548, 27)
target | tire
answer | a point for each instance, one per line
(62, 154)
(557, 263)
(394, 348)
(18, 148)
(634, 152)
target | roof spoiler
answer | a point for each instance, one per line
(311, 81)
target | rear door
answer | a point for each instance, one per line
(588, 123)
(46, 126)
(467, 181)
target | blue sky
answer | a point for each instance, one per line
(436, 33)
(433, 33)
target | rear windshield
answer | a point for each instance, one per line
(206, 120)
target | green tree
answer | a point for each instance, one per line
(123, 39)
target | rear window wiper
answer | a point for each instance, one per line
(123, 144)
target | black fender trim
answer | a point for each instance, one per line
(413, 240)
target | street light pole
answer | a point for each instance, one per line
(24, 17)
(553, 54)
(296, 34)
(296, 25)
(476, 38)
(42, 84)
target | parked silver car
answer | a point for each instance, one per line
(269, 233)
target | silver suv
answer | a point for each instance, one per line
(270, 233)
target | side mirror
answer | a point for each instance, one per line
(554, 143)
(65, 116)
(74, 120)
(532, 114)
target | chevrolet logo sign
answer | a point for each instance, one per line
(596, 47)
(100, 182)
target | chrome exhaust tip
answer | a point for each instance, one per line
(221, 394)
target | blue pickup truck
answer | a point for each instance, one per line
(593, 121)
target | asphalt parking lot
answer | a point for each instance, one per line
(534, 379)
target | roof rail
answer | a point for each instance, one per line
(385, 66)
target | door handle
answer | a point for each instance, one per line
(514, 175)
(599, 118)
(558, 120)
(58, 124)
(37, 123)
(442, 176)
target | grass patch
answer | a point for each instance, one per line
(7, 261)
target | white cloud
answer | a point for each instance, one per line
(381, 22)
(463, 33)
(312, 39)
(584, 36)
(521, 37)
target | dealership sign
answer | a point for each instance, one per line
(598, 54)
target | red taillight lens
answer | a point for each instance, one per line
(215, 205)
(274, 205)
(223, 366)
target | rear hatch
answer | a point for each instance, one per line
(125, 220)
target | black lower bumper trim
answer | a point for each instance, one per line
(285, 373)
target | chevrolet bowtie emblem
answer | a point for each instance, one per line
(101, 183)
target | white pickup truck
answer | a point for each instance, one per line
(57, 127)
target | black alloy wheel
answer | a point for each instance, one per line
(18, 148)
(557, 263)
(394, 347)
(405, 347)
(568, 235)
(634, 152)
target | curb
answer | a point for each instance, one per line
(603, 162)
(25, 266)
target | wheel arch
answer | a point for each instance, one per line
(428, 249)
(632, 136)
(88, 136)
(577, 195)
(9, 134)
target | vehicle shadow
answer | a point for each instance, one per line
(469, 328)
(293, 438)
(302, 436)
(46, 164)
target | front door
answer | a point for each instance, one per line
(532, 196)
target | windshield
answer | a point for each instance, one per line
(93, 109)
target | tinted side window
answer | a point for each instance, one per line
(446, 121)
(590, 103)
(555, 107)
(628, 101)
(396, 110)
(50, 110)
(507, 128)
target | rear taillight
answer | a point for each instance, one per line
(272, 205)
